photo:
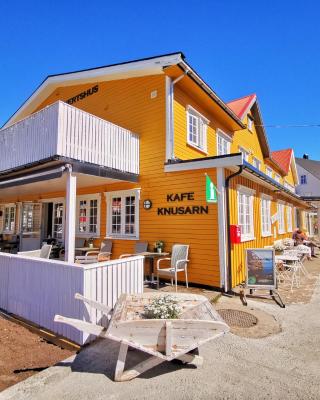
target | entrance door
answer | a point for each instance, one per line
(53, 220)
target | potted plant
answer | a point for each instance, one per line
(159, 245)
(90, 242)
(163, 307)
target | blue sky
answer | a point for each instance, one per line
(238, 47)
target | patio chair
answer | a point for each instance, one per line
(140, 247)
(178, 263)
(93, 256)
(44, 252)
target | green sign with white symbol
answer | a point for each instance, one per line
(211, 191)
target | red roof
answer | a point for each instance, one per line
(240, 106)
(283, 158)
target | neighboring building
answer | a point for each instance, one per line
(309, 188)
(154, 134)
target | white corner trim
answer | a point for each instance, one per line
(230, 161)
(169, 119)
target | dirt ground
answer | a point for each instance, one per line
(23, 353)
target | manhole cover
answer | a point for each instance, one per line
(237, 318)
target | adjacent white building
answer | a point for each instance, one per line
(309, 189)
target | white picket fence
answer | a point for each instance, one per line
(37, 289)
(63, 130)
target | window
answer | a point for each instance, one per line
(281, 227)
(88, 213)
(9, 218)
(197, 129)
(277, 178)
(245, 213)
(269, 172)
(123, 213)
(223, 143)
(245, 153)
(266, 216)
(250, 124)
(289, 219)
(57, 221)
(27, 218)
(256, 163)
(303, 179)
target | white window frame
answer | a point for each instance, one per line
(277, 178)
(9, 206)
(245, 153)
(250, 122)
(226, 143)
(265, 211)
(269, 172)
(123, 194)
(304, 180)
(26, 232)
(88, 198)
(288, 185)
(256, 160)
(201, 123)
(281, 220)
(289, 218)
(249, 193)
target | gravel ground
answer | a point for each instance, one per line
(285, 365)
(23, 353)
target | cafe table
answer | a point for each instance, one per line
(84, 250)
(151, 256)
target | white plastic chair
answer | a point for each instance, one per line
(44, 252)
(178, 263)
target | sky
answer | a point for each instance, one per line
(270, 48)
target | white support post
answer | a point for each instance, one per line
(70, 216)
(222, 228)
(318, 219)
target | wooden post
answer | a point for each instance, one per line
(70, 216)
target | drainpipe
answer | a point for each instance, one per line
(171, 135)
(228, 284)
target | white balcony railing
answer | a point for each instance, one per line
(63, 130)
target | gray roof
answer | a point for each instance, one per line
(311, 166)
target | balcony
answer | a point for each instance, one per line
(61, 130)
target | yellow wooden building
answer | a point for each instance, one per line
(88, 151)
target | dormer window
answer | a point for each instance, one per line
(250, 124)
(197, 129)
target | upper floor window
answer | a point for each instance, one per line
(9, 218)
(123, 214)
(256, 163)
(269, 172)
(88, 215)
(223, 143)
(303, 179)
(197, 129)
(245, 153)
(277, 178)
(250, 124)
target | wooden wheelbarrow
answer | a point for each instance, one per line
(163, 339)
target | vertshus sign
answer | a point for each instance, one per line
(181, 210)
(83, 95)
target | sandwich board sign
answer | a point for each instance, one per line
(211, 191)
(261, 273)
